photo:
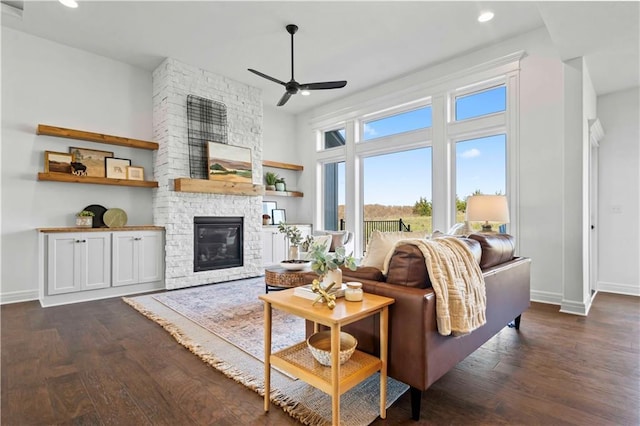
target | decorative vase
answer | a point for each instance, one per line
(84, 221)
(293, 253)
(270, 188)
(265, 221)
(280, 186)
(332, 276)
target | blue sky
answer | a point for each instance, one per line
(402, 178)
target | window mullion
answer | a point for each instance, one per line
(441, 184)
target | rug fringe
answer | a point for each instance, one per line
(288, 404)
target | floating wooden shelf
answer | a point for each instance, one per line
(217, 187)
(64, 177)
(284, 193)
(278, 165)
(61, 132)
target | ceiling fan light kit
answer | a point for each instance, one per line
(292, 86)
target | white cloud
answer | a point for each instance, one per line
(370, 131)
(470, 153)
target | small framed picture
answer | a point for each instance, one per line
(278, 215)
(135, 173)
(116, 167)
(57, 162)
(267, 208)
(92, 159)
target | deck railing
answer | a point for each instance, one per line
(378, 225)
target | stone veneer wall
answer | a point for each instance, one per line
(172, 82)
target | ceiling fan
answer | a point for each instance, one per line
(293, 87)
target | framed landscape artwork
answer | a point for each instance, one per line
(229, 163)
(116, 167)
(93, 159)
(57, 162)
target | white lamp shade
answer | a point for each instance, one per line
(487, 208)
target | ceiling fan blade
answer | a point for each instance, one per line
(283, 100)
(323, 85)
(275, 80)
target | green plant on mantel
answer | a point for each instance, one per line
(85, 213)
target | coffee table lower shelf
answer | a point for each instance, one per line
(299, 361)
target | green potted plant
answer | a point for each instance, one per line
(84, 219)
(327, 265)
(280, 184)
(271, 178)
(294, 236)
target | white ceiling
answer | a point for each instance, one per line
(365, 43)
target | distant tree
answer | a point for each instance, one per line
(477, 192)
(461, 205)
(422, 207)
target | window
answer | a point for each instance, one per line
(399, 123)
(334, 195)
(334, 138)
(397, 192)
(481, 168)
(481, 103)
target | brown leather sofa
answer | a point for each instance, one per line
(418, 355)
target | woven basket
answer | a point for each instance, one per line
(320, 346)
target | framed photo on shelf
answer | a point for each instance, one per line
(57, 162)
(92, 159)
(135, 173)
(278, 215)
(229, 163)
(116, 168)
(267, 208)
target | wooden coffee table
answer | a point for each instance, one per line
(277, 278)
(298, 360)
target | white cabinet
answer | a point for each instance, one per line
(137, 257)
(78, 262)
(274, 244)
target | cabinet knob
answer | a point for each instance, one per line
(81, 241)
(137, 239)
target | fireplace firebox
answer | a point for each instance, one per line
(217, 243)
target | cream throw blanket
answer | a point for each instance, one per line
(457, 281)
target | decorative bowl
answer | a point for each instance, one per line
(295, 265)
(320, 346)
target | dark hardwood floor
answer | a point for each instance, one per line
(102, 362)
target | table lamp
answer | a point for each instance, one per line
(487, 208)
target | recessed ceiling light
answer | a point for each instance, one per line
(485, 16)
(69, 3)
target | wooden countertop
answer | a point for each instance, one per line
(123, 228)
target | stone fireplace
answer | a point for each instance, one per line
(177, 211)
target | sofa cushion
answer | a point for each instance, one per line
(496, 248)
(381, 243)
(338, 238)
(407, 267)
(362, 273)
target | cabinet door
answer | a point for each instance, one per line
(150, 256)
(267, 247)
(125, 262)
(96, 254)
(63, 263)
(279, 247)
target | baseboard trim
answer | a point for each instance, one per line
(18, 296)
(575, 308)
(546, 297)
(618, 288)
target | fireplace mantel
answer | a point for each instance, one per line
(217, 187)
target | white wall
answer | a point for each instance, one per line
(619, 189)
(48, 83)
(541, 164)
(280, 144)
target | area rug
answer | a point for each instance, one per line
(223, 325)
